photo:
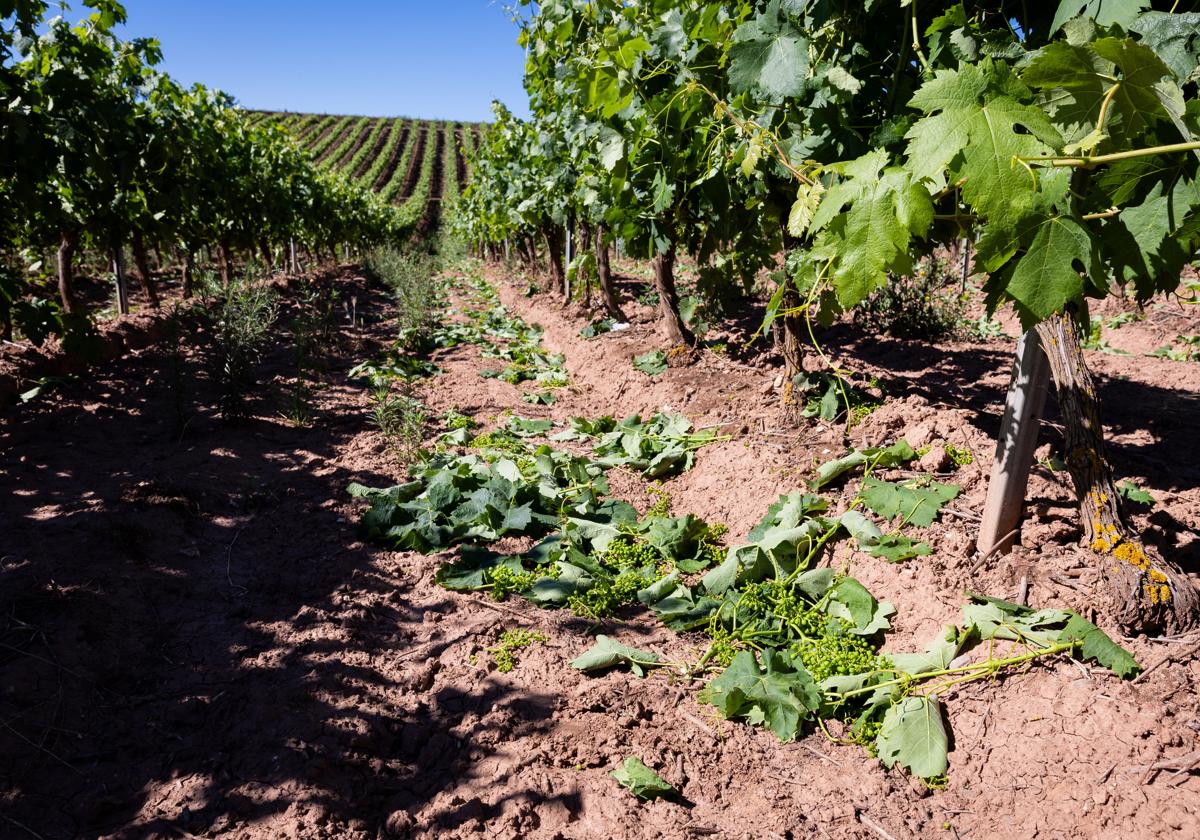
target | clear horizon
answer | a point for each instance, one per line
(446, 60)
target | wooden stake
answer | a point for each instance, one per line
(119, 271)
(1014, 448)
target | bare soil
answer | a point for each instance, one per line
(414, 165)
(194, 643)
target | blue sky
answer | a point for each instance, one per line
(442, 59)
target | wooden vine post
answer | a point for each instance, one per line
(119, 272)
(1014, 448)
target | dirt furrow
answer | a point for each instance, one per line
(385, 177)
(368, 159)
(353, 148)
(414, 165)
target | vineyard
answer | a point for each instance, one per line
(786, 429)
(419, 166)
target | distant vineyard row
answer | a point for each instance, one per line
(416, 165)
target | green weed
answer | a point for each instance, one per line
(924, 305)
(245, 315)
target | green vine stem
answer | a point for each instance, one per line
(1091, 162)
(974, 671)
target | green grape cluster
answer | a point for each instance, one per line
(504, 654)
(724, 644)
(505, 581)
(662, 502)
(457, 420)
(499, 440)
(778, 598)
(865, 733)
(759, 598)
(712, 545)
(606, 595)
(627, 552)
(837, 654)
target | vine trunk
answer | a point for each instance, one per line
(668, 299)
(1140, 589)
(142, 261)
(608, 293)
(67, 244)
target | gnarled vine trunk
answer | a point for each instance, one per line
(67, 243)
(142, 261)
(608, 293)
(1141, 590)
(668, 299)
(585, 245)
(554, 256)
(790, 335)
(226, 262)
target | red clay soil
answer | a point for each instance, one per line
(194, 643)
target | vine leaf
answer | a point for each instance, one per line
(913, 735)
(1176, 39)
(896, 548)
(651, 363)
(808, 199)
(1106, 12)
(993, 618)
(916, 504)
(1097, 647)
(780, 695)
(607, 652)
(871, 240)
(641, 781)
(1142, 241)
(1048, 273)
(1077, 77)
(970, 133)
(937, 656)
(769, 56)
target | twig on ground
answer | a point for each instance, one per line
(820, 755)
(993, 550)
(504, 609)
(1170, 655)
(1064, 582)
(866, 820)
(1181, 764)
(22, 826)
(699, 724)
(42, 749)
